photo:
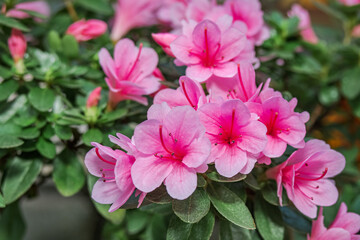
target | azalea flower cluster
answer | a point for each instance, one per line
(237, 125)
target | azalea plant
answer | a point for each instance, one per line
(192, 119)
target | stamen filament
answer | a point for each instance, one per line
(314, 179)
(103, 159)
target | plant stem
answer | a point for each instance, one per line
(71, 10)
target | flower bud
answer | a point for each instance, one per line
(94, 97)
(17, 45)
(84, 30)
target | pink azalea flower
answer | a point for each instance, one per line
(208, 48)
(157, 73)
(172, 149)
(172, 12)
(344, 227)
(235, 136)
(250, 13)
(242, 86)
(17, 45)
(85, 30)
(305, 27)
(284, 126)
(131, 14)
(113, 167)
(189, 93)
(164, 40)
(130, 74)
(94, 97)
(41, 7)
(350, 2)
(305, 176)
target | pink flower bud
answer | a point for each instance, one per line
(84, 30)
(164, 40)
(356, 31)
(17, 45)
(94, 97)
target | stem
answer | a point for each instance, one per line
(71, 10)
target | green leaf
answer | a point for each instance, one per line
(70, 46)
(115, 217)
(41, 99)
(229, 231)
(114, 115)
(295, 220)
(159, 196)
(329, 95)
(98, 6)
(93, 135)
(2, 201)
(63, 132)
(178, 230)
(29, 133)
(251, 181)
(12, 224)
(201, 182)
(8, 141)
(230, 206)
(11, 109)
(54, 41)
(48, 132)
(5, 73)
(203, 229)
(136, 221)
(20, 175)
(218, 178)
(68, 173)
(7, 88)
(12, 23)
(194, 208)
(33, 13)
(269, 193)
(268, 220)
(46, 148)
(350, 86)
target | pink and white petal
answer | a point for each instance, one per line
(311, 147)
(225, 70)
(147, 138)
(94, 164)
(181, 48)
(202, 168)
(158, 111)
(123, 172)
(210, 115)
(108, 66)
(149, 172)
(198, 72)
(181, 182)
(231, 162)
(335, 234)
(146, 63)
(232, 43)
(253, 138)
(124, 196)
(275, 147)
(105, 192)
(172, 97)
(206, 36)
(234, 115)
(184, 125)
(346, 220)
(249, 166)
(191, 89)
(323, 192)
(304, 204)
(141, 199)
(292, 130)
(197, 152)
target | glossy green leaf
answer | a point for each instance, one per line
(350, 86)
(98, 6)
(42, 99)
(204, 228)
(178, 230)
(29, 133)
(12, 23)
(194, 208)
(63, 132)
(229, 231)
(268, 220)
(68, 173)
(218, 178)
(46, 148)
(54, 41)
(19, 177)
(12, 224)
(8, 141)
(11, 108)
(159, 196)
(70, 46)
(269, 192)
(92, 135)
(136, 221)
(7, 88)
(229, 205)
(114, 115)
(2, 201)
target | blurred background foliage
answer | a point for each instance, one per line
(45, 128)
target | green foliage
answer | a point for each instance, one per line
(12, 225)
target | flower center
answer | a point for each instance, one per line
(169, 154)
(271, 125)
